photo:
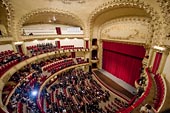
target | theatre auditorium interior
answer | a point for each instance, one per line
(84, 56)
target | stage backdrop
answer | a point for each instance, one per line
(123, 60)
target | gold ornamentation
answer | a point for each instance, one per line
(47, 10)
(123, 3)
(10, 15)
(136, 34)
(70, 1)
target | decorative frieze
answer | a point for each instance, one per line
(10, 15)
(125, 28)
(155, 17)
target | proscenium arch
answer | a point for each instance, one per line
(111, 5)
(145, 42)
(27, 16)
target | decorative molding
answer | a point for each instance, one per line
(165, 10)
(47, 10)
(10, 15)
(155, 23)
(136, 34)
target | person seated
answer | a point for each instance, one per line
(150, 109)
(140, 90)
(143, 109)
(147, 109)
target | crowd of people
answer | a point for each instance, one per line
(48, 47)
(4, 59)
(7, 60)
(28, 82)
(41, 48)
(29, 78)
(141, 85)
(75, 92)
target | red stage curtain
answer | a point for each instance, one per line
(156, 62)
(132, 50)
(87, 44)
(58, 30)
(121, 62)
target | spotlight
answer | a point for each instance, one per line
(34, 93)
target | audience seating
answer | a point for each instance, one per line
(160, 91)
(40, 49)
(73, 91)
(9, 59)
(33, 81)
(77, 95)
(48, 47)
(140, 99)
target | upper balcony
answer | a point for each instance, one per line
(32, 37)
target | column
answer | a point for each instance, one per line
(162, 62)
(151, 56)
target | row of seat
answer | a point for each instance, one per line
(74, 95)
(140, 99)
(57, 62)
(7, 66)
(15, 62)
(59, 65)
(9, 88)
(37, 50)
(112, 107)
(31, 47)
(160, 91)
(6, 53)
(9, 61)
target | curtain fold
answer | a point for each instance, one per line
(121, 62)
